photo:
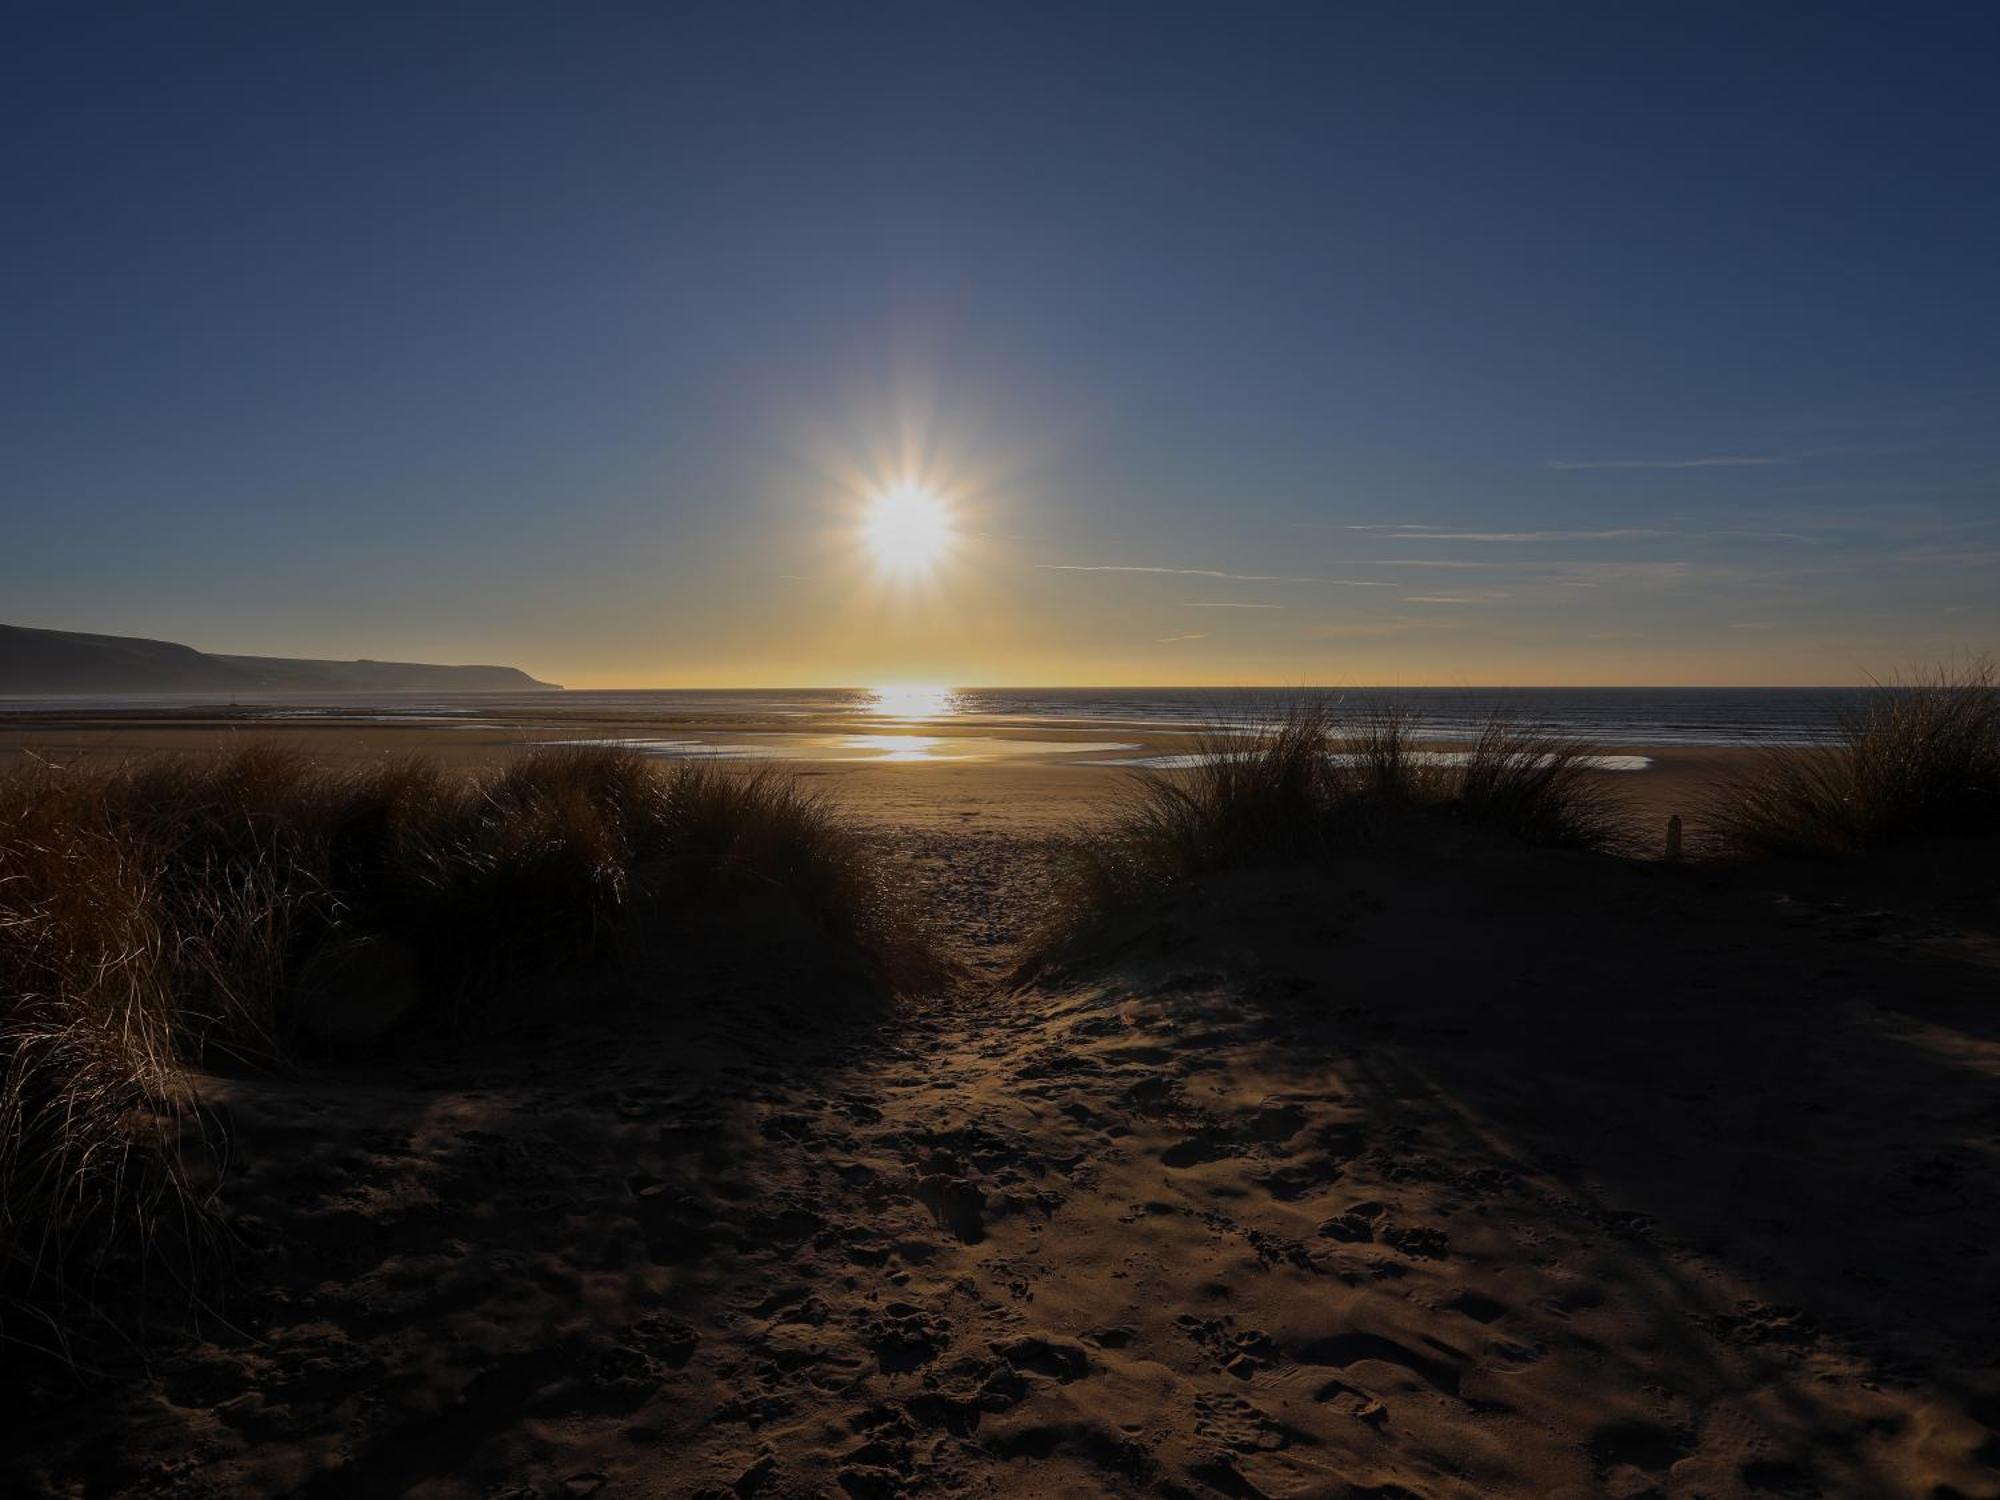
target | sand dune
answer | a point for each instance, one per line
(1481, 1172)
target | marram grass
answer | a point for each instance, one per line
(181, 911)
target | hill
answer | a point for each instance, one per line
(64, 661)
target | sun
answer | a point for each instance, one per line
(908, 530)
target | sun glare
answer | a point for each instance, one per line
(908, 530)
(912, 700)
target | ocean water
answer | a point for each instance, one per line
(1627, 716)
(1608, 716)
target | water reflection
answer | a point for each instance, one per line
(1189, 760)
(871, 748)
(896, 746)
(914, 700)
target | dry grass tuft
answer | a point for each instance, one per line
(1311, 787)
(1538, 787)
(1271, 797)
(253, 906)
(1923, 762)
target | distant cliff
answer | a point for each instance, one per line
(66, 661)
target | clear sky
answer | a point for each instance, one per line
(1604, 342)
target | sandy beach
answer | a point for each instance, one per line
(1465, 1171)
(1024, 779)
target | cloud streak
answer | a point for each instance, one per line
(1414, 533)
(1224, 604)
(1390, 627)
(1432, 534)
(1356, 583)
(1714, 462)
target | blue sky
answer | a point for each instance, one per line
(1588, 343)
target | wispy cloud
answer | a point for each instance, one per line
(1712, 462)
(1556, 570)
(1479, 596)
(1397, 626)
(1635, 572)
(1199, 635)
(1356, 583)
(1177, 572)
(1432, 534)
(1224, 604)
(1395, 532)
(1950, 557)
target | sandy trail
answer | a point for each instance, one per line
(1280, 1196)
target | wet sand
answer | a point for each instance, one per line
(951, 774)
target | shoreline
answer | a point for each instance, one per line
(1047, 791)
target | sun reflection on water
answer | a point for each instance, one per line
(898, 747)
(913, 700)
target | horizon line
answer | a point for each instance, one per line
(1257, 687)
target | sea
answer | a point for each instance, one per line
(1605, 715)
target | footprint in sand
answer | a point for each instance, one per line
(1351, 1402)
(1299, 1180)
(1206, 1146)
(1476, 1306)
(1040, 1354)
(905, 1337)
(631, 1370)
(1226, 1418)
(1349, 1228)
(1641, 1445)
(1347, 1349)
(1417, 1241)
(677, 1228)
(958, 1205)
(1276, 1123)
(1155, 1095)
(1240, 1354)
(1508, 1358)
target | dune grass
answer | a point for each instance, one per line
(1921, 763)
(247, 908)
(1313, 786)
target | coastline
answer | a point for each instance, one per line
(963, 772)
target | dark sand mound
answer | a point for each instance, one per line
(1450, 1175)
